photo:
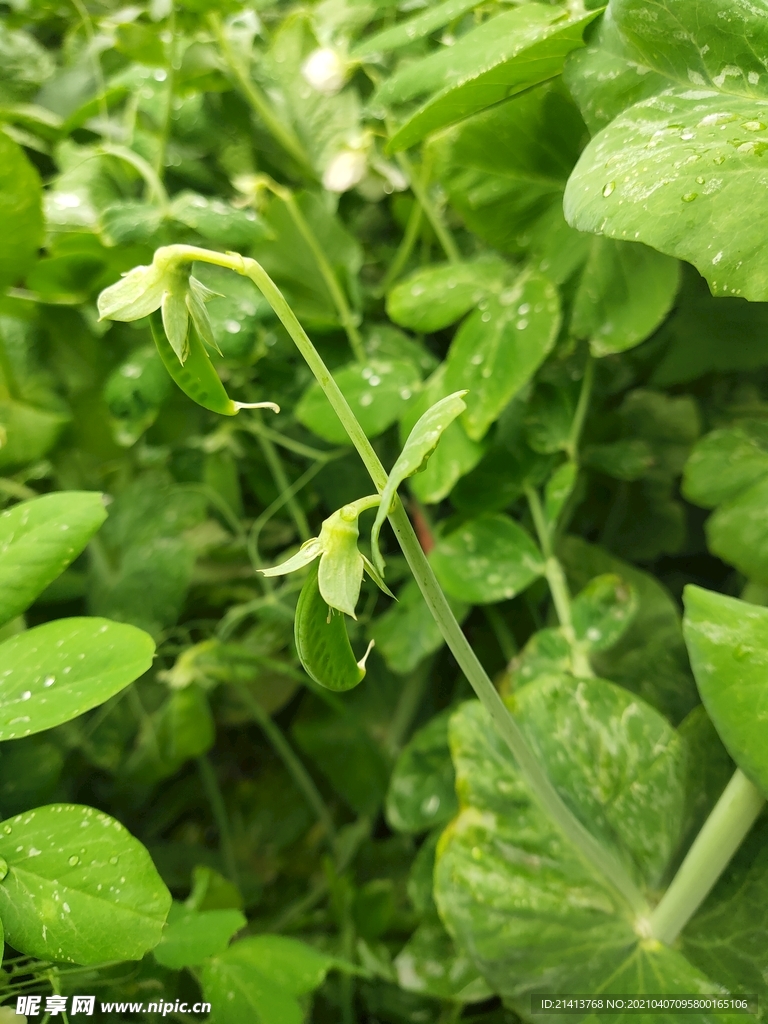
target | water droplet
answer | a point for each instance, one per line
(719, 159)
(700, 180)
(753, 126)
(743, 651)
(73, 860)
(114, 859)
(521, 324)
(26, 695)
(690, 196)
(49, 680)
(3, 868)
(608, 189)
(7, 829)
(485, 317)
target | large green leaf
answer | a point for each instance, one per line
(500, 346)
(505, 171)
(20, 212)
(725, 463)
(492, 62)
(407, 633)
(29, 432)
(430, 963)
(625, 292)
(513, 894)
(56, 671)
(191, 936)
(489, 559)
(676, 169)
(728, 643)
(78, 887)
(39, 539)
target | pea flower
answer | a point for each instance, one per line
(166, 284)
(345, 170)
(340, 573)
(325, 71)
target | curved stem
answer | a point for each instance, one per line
(258, 101)
(419, 189)
(592, 852)
(722, 834)
(147, 172)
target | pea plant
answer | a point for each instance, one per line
(383, 545)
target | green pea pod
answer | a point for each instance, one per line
(197, 376)
(322, 641)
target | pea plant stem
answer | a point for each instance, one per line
(296, 769)
(420, 190)
(257, 100)
(220, 816)
(720, 837)
(600, 860)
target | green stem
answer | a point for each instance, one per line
(148, 173)
(220, 816)
(572, 446)
(297, 447)
(419, 189)
(296, 769)
(258, 101)
(283, 485)
(558, 586)
(600, 859)
(405, 248)
(732, 817)
(504, 636)
(346, 316)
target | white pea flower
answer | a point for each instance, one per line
(135, 295)
(325, 71)
(345, 170)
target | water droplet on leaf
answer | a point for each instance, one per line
(608, 189)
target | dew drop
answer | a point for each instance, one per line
(608, 189)
(73, 860)
(114, 859)
(485, 317)
(49, 680)
(690, 196)
(7, 829)
(753, 126)
(700, 180)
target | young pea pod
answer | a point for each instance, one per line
(197, 376)
(322, 642)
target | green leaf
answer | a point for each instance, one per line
(489, 559)
(29, 432)
(540, 914)
(407, 633)
(625, 292)
(650, 658)
(408, 31)
(630, 459)
(218, 221)
(418, 448)
(78, 887)
(259, 979)
(377, 394)
(547, 653)
(431, 964)
(503, 56)
(725, 463)
(56, 671)
(456, 454)
(182, 728)
(437, 296)
(603, 610)
(500, 346)
(20, 212)
(190, 937)
(728, 644)
(738, 531)
(548, 419)
(505, 171)
(634, 182)
(421, 790)
(39, 539)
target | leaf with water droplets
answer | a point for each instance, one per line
(500, 346)
(435, 297)
(56, 671)
(728, 644)
(377, 392)
(488, 559)
(79, 887)
(39, 539)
